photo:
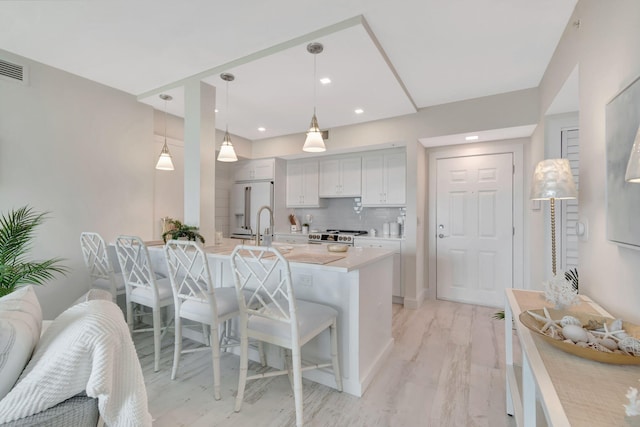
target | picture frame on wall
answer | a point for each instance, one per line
(622, 198)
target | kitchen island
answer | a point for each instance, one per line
(357, 283)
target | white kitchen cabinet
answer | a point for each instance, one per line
(302, 184)
(384, 179)
(396, 247)
(341, 177)
(255, 170)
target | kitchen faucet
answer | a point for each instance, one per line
(258, 222)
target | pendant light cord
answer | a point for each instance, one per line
(315, 96)
(165, 121)
(227, 108)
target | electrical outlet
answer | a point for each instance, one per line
(305, 280)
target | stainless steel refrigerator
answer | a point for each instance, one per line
(246, 199)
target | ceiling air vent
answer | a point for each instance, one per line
(13, 72)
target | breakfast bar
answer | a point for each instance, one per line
(357, 283)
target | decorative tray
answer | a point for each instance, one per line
(588, 321)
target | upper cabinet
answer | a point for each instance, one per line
(254, 170)
(384, 179)
(341, 177)
(302, 184)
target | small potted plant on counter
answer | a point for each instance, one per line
(177, 230)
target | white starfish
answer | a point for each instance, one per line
(548, 321)
(608, 334)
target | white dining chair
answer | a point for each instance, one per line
(97, 261)
(197, 299)
(143, 288)
(273, 315)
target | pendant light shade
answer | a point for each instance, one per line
(227, 153)
(164, 161)
(314, 142)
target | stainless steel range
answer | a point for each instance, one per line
(344, 237)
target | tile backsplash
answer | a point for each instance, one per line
(340, 214)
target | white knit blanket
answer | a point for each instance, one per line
(87, 348)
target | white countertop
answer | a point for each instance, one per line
(354, 259)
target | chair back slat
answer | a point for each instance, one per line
(135, 263)
(94, 252)
(189, 271)
(265, 273)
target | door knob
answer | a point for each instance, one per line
(441, 236)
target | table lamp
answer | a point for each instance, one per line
(553, 180)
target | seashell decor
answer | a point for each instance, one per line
(602, 335)
(630, 346)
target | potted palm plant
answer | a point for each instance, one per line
(17, 231)
(178, 230)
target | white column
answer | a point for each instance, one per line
(199, 157)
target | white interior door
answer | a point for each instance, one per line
(474, 228)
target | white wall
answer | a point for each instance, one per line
(605, 47)
(85, 153)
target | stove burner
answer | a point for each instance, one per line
(335, 236)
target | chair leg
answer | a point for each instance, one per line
(215, 352)
(206, 335)
(263, 357)
(244, 362)
(177, 348)
(334, 355)
(157, 326)
(288, 366)
(297, 385)
(129, 314)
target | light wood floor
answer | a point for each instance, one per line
(446, 369)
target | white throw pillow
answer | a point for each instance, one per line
(20, 325)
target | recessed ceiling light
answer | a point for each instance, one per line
(325, 80)
(261, 129)
(358, 111)
(471, 138)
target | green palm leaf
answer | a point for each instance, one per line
(17, 231)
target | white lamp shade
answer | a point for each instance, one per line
(227, 154)
(314, 142)
(164, 161)
(553, 179)
(633, 167)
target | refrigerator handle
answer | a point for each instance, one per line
(247, 208)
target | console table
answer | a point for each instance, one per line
(567, 389)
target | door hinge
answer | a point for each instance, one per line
(513, 229)
(514, 169)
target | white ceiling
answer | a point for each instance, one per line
(387, 58)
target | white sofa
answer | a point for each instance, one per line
(80, 368)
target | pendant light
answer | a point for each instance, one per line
(164, 161)
(227, 153)
(314, 142)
